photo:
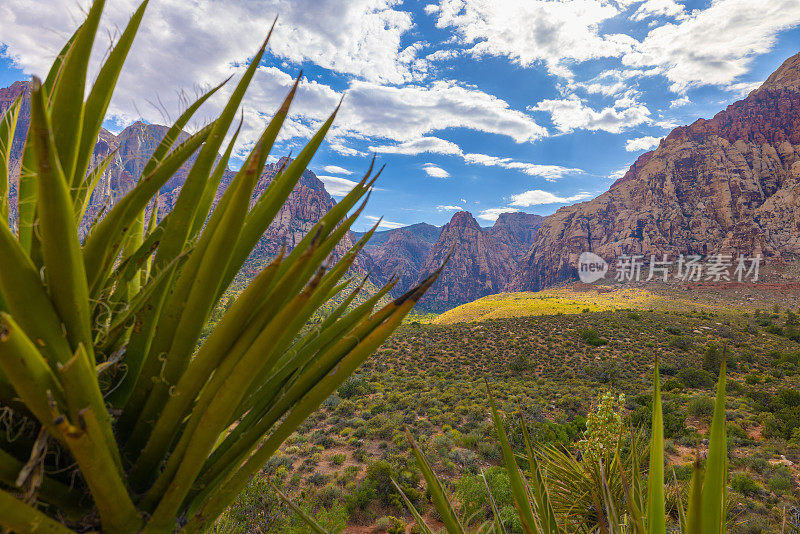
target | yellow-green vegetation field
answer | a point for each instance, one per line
(553, 364)
(560, 301)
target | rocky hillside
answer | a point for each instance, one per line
(482, 261)
(729, 185)
(480, 265)
(308, 202)
(401, 252)
(517, 230)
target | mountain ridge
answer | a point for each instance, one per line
(729, 184)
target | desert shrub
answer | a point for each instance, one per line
(785, 418)
(712, 358)
(465, 458)
(701, 406)
(328, 496)
(591, 337)
(680, 342)
(742, 483)
(519, 363)
(390, 525)
(346, 408)
(673, 416)
(781, 480)
(377, 485)
(696, 378)
(355, 386)
(474, 499)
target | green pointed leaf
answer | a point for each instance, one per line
(656, 522)
(68, 92)
(716, 474)
(100, 96)
(694, 506)
(28, 372)
(423, 527)
(61, 250)
(521, 501)
(27, 300)
(84, 191)
(438, 494)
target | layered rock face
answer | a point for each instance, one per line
(517, 230)
(727, 185)
(402, 254)
(480, 265)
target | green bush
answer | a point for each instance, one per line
(782, 480)
(474, 499)
(591, 337)
(695, 378)
(391, 525)
(712, 358)
(701, 406)
(742, 483)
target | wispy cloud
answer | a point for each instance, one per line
(548, 172)
(422, 145)
(537, 197)
(492, 214)
(384, 223)
(334, 169)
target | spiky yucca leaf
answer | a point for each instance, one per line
(655, 479)
(114, 310)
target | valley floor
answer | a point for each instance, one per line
(432, 378)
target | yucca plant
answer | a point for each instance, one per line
(641, 510)
(122, 413)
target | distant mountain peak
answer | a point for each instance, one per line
(725, 185)
(463, 219)
(786, 77)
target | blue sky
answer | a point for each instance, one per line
(483, 105)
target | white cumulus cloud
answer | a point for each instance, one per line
(573, 113)
(337, 186)
(435, 171)
(531, 31)
(660, 8)
(714, 46)
(492, 214)
(642, 143)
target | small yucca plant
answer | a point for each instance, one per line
(121, 413)
(622, 501)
